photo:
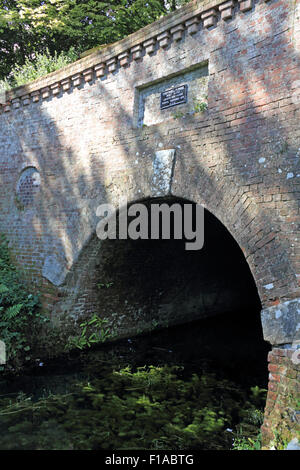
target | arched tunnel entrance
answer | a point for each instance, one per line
(149, 284)
(192, 342)
(191, 381)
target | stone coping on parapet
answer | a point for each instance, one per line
(159, 34)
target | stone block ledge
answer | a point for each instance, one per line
(281, 323)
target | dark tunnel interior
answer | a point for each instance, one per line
(210, 293)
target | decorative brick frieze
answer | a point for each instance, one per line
(112, 64)
(245, 5)
(149, 45)
(88, 75)
(209, 18)
(16, 103)
(192, 25)
(25, 100)
(35, 96)
(177, 32)
(55, 88)
(45, 93)
(226, 10)
(137, 52)
(163, 39)
(76, 79)
(66, 84)
(7, 107)
(100, 70)
(124, 58)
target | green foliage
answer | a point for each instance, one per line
(283, 435)
(92, 331)
(42, 64)
(178, 115)
(247, 443)
(101, 285)
(147, 408)
(258, 395)
(248, 435)
(19, 313)
(199, 106)
(30, 27)
(5, 85)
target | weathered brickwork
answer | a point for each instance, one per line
(239, 158)
(282, 414)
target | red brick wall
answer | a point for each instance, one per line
(239, 158)
(282, 413)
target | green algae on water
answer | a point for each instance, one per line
(151, 407)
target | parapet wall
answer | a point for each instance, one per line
(172, 28)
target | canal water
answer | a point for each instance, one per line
(196, 386)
